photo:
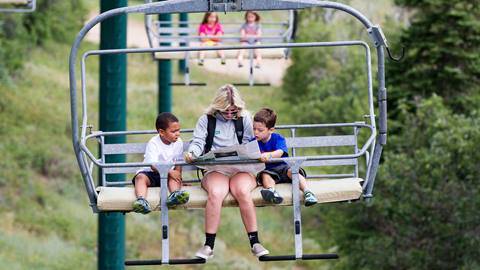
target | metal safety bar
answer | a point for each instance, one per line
(360, 153)
(293, 143)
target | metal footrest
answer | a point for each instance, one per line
(190, 84)
(159, 262)
(268, 258)
(255, 84)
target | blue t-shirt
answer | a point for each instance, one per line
(276, 142)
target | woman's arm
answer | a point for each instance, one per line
(248, 134)
(199, 136)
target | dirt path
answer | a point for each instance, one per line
(272, 71)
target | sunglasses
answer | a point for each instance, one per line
(229, 112)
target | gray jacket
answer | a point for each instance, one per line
(224, 134)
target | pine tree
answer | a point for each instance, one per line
(443, 54)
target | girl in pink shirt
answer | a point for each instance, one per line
(209, 28)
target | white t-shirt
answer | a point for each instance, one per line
(158, 151)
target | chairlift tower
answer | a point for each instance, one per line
(113, 113)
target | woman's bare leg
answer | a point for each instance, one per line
(216, 185)
(241, 186)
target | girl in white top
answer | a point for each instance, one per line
(164, 147)
(226, 106)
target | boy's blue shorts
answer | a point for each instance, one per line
(154, 178)
(279, 174)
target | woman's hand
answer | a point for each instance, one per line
(264, 157)
(188, 157)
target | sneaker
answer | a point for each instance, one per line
(141, 206)
(223, 61)
(271, 195)
(205, 252)
(240, 65)
(177, 197)
(258, 66)
(309, 198)
(259, 251)
(200, 62)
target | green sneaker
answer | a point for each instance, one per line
(309, 198)
(141, 206)
(177, 197)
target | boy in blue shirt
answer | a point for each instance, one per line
(273, 145)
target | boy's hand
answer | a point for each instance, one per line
(175, 175)
(188, 157)
(264, 157)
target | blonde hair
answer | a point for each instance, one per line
(226, 96)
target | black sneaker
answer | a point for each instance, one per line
(271, 195)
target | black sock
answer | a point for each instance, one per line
(210, 239)
(253, 237)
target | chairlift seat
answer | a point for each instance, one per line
(229, 54)
(328, 190)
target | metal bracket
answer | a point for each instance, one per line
(225, 5)
(163, 169)
(377, 36)
(382, 94)
(297, 217)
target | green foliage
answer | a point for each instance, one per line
(53, 20)
(443, 43)
(425, 214)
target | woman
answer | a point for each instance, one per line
(227, 108)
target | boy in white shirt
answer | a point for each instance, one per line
(164, 147)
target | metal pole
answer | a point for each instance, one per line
(182, 65)
(113, 109)
(165, 74)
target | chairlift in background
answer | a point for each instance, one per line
(174, 34)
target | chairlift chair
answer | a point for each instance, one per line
(17, 6)
(106, 197)
(182, 33)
